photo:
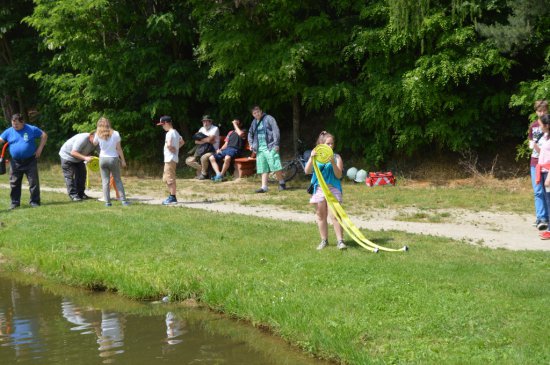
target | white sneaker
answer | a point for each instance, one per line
(323, 244)
(341, 245)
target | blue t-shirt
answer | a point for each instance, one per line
(328, 175)
(21, 142)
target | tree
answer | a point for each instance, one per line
(18, 58)
(268, 53)
(131, 61)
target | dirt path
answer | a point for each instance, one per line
(495, 230)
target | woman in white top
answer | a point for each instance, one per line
(110, 159)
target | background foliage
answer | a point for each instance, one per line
(392, 79)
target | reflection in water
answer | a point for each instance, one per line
(82, 328)
(107, 327)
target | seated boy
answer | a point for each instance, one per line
(231, 148)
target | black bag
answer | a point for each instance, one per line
(198, 136)
(204, 148)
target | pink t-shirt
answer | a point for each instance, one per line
(544, 156)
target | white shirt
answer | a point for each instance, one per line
(172, 139)
(108, 147)
(213, 131)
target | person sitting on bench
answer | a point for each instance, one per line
(233, 145)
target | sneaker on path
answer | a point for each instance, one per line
(260, 190)
(282, 187)
(125, 203)
(545, 235)
(170, 200)
(542, 225)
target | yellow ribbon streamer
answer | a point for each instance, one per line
(323, 154)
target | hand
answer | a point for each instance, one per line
(87, 158)
(123, 163)
(38, 153)
(313, 153)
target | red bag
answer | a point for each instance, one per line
(380, 178)
(3, 161)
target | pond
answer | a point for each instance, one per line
(46, 324)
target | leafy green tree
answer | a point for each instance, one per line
(131, 61)
(270, 53)
(18, 58)
(428, 81)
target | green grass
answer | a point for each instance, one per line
(442, 302)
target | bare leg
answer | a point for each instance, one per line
(214, 165)
(337, 227)
(321, 217)
(226, 163)
(264, 179)
(172, 187)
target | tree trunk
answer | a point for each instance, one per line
(295, 122)
(21, 101)
(7, 107)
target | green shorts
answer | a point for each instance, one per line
(268, 161)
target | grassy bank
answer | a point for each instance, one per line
(443, 302)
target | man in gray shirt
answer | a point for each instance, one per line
(73, 154)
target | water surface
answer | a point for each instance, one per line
(58, 325)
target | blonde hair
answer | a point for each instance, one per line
(541, 105)
(104, 130)
(323, 137)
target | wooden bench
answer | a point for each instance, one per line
(246, 165)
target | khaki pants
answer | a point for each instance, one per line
(202, 168)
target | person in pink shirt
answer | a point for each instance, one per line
(535, 140)
(543, 167)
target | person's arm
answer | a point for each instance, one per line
(120, 154)
(276, 133)
(337, 165)
(43, 139)
(169, 143)
(251, 136)
(308, 169)
(181, 142)
(80, 156)
(2, 141)
(224, 145)
(238, 130)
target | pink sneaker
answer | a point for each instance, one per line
(545, 235)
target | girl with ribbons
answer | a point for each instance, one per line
(331, 170)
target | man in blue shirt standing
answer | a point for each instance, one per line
(21, 138)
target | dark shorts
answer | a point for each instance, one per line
(229, 151)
